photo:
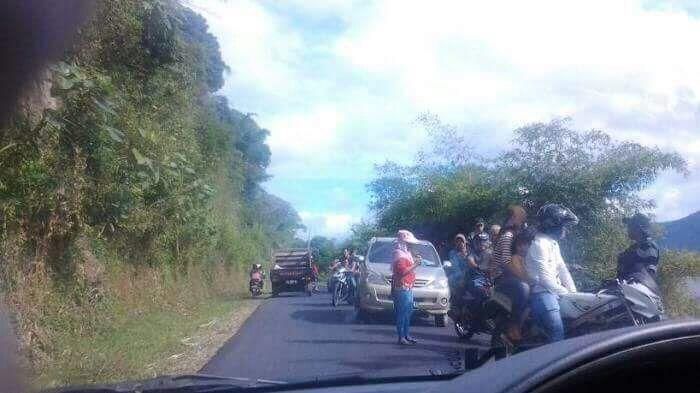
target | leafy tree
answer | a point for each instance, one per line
(598, 177)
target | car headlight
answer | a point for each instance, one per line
(440, 283)
(375, 278)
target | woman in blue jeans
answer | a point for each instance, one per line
(403, 278)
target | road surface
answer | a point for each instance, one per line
(298, 337)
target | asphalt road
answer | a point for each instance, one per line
(295, 337)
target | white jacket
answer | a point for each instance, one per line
(546, 267)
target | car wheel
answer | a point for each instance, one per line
(440, 320)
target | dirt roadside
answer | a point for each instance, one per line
(202, 345)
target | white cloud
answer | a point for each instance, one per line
(339, 83)
(334, 225)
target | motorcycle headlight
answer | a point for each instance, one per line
(375, 278)
(440, 283)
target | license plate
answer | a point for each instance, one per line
(290, 282)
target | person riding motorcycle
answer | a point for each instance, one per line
(257, 274)
(545, 266)
(333, 269)
(458, 259)
(640, 261)
(476, 279)
(473, 237)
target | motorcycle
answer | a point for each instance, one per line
(255, 286)
(471, 316)
(616, 304)
(342, 288)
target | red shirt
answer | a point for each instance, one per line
(402, 275)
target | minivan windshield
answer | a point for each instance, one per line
(381, 252)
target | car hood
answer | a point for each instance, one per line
(422, 272)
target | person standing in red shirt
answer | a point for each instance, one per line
(403, 278)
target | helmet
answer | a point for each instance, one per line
(555, 216)
(257, 266)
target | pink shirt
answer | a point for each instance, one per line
(403, 277)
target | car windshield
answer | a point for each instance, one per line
(213, 190)
(382, 252)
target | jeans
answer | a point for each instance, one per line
(545, 308)
(517, 291)
(403, 310)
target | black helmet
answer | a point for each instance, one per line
(554, 216)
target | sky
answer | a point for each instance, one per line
(339, 84)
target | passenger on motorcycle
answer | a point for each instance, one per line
(458, 258)
(478, 230)
(257, 274)
(507, 266)
(546, 268)
(476, 278)
(640, 261)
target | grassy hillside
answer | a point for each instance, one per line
(128, 189)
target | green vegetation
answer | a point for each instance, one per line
(133, 194)
(597, 177)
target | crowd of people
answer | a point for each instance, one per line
(521, 261)
(525, 264)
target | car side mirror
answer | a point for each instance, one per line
(446, 264)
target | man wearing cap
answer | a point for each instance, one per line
(403, 278)
(640, 261)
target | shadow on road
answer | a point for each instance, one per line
(439, 349)
(290, 294)
(329, 316)
(447, 336)
(322, 304)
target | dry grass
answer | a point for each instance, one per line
(116, 322)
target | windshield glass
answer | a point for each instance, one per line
(181, 182)
(382, 252)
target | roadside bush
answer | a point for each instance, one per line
(677, 268)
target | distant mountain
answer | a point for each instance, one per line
(683, 234)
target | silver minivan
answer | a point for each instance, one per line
(431, 293)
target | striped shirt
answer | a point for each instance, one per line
(502, 253)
